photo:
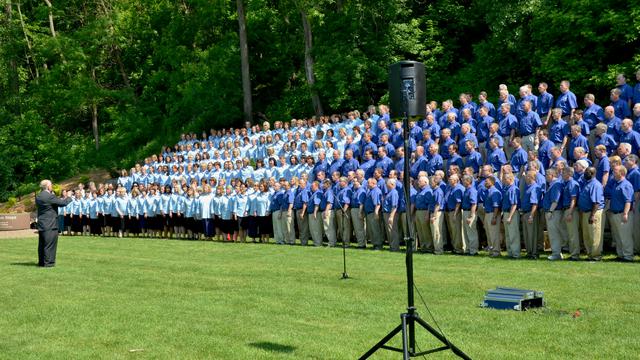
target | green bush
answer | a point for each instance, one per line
(11, 202)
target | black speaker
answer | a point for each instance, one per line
(407, 89)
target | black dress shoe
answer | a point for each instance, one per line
(48, 265)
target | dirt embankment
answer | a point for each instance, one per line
(26, 203)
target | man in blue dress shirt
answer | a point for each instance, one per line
(492, 207)
(469, 207)
(507, 125)
(633, 176)
(545, 102)
(529, 206)
(553, 214)
(422, 214)
(621, 106)
(453, 201)
(566, 100)
(358, 195)
(372, 208)
(591, 205)
(510, 215)
(626, 91)
(636, 90)
(592, 115)
(621, 219)
(629, 136)
(576, 140)
(519, 157)
(528, 126)
(568, 202)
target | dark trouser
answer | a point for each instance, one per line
(47, 245)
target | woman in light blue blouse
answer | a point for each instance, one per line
(120, 206)
(164, 207)
(132, 213)
(76, 213)
(240, 213)
(94, 211)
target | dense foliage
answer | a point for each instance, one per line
(141, 71)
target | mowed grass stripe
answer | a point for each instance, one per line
(196, 300)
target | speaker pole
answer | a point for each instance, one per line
(409, 319)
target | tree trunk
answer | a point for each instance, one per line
(244, 60)
(308, 64)
(51, 26)
(14, 77)
(26, 39)
(94, 115)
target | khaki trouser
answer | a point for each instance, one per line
(373, 230)
(573, 230)
(454, 225)
(345, 228)
(530, 233)
(512, 234)
(557, 231)
(338, 218)
(592, 233)
(423, 230)
(493, 233)
(315, 228)
(624, 232)
(358, 220)
(469, 232)
(303, 226)
(437, 232)
(278, 232)
(393, 233)
(329, 225)
(286, 223)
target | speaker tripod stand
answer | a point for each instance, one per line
(409, 319)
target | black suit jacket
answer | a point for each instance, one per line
(48, 205)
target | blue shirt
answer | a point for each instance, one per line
(390, 201)
(621, 108)
(519, 159)
(545, 103)
(444, 147)
(507, 124)
(385, 164)
(436, 198)
(621, 194)
(302, 197)
(570, 189)
(529, 123)
(453, 196)
(631, 137)
(344, 196)
(433, 164)
(567, 101)
(531, 196)
(608, 141)
(474, 160)
(590, 194)
(482, 129)
(316, 200)
(558, 130)
(492, 199)
(613, 127)
(578, 141)
(592, 115)
(636, 94)
(469, 198)
(552, 195)
(349, 165)
(422, 198)
(462, 143)
(328, 198)
(510, 197)
(602, 168)
(497, 158)
(358, 197)
(373, 199)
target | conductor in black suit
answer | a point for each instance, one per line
(48, 205)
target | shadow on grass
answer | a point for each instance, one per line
(273, 347)
(24, 263)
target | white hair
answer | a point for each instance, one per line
(44, 184)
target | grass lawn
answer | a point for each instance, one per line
(144, 298)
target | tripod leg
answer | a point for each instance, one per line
(381, 343)
(405, 339)
(443, 339)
